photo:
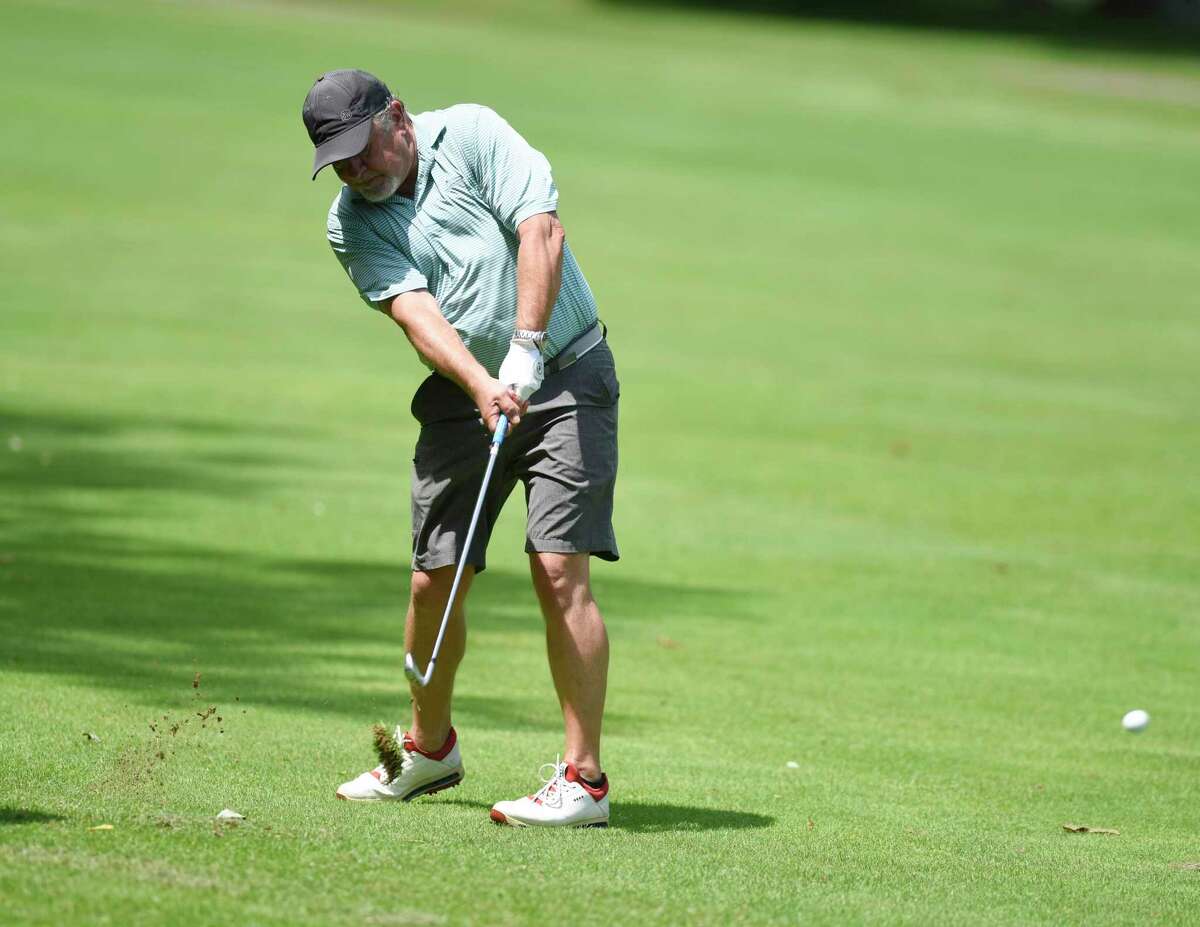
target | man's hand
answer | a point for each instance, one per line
(494, 399)
(523, 368)
(436, 340)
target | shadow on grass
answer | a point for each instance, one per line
(646, 818)
(1113, 33)
(13, 815)
(656, 818)
(87, 594)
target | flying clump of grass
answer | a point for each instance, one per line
(388, 751)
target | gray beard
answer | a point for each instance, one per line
(379, 195)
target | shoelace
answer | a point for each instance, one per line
(550, 794)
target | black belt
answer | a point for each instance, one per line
(577, 348)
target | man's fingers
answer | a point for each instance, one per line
(513, 416)
(505, 401)
(516, 407)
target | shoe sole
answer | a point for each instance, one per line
(500, 817)
(429, 788)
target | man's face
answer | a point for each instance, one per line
(379, 170)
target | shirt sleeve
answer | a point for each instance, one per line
(514, 177)
(378, 270)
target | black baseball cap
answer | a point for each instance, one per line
(338, 111)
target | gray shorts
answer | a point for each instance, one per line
(564, 452)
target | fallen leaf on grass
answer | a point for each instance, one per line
(668, 643)
(1191, 867)
(92, 737)
(1085, 829)
(101, 827)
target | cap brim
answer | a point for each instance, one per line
(340, 147)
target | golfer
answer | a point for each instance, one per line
(446, 222)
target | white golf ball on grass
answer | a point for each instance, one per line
(1135, 721)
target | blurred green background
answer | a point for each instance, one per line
(905, 312)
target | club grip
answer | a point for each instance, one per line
(501, 430)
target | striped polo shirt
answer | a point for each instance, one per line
(477, 180)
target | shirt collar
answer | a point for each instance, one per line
(429, 129)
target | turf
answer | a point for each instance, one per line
(907, 330)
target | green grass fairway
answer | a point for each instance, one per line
(908, 329)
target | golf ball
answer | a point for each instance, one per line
(1135, 721)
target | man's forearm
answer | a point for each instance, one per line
(436, 340)
(539, 270)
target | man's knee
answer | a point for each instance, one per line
(431, 589)
(562, 580)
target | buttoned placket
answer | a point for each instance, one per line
(425, 156)
(408, 205)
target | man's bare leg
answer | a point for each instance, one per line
(431, 705)
(577, 645)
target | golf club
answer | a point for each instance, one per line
(410, 665)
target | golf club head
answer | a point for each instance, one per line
(411, 671)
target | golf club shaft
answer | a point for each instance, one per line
(497, 440)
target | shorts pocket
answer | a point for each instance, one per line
(599, 372)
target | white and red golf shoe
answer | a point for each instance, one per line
(564, 800)
(420, 773)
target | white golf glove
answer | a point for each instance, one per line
(523, 368)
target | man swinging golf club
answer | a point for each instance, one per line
(447, 223)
